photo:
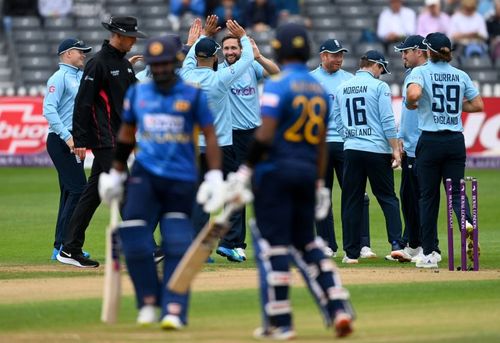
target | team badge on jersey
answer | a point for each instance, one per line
(182, 106)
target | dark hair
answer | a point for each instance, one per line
(365, 63)
(444, 55)
(230, 37)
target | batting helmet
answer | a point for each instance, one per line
(166, 48)
(291, 42)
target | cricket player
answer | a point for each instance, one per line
(439, 92)
(287, 160)
(245, 115)
(163, 179)
(201, 67)
(363, 114)
(330, 75)
(413, 53)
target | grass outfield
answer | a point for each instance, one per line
(440, 311)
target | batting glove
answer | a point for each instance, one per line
(238, 186)
(323, 200)
(211, 193)
(111, 185)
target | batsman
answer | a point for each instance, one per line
(164, 111)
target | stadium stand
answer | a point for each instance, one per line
(28, 45)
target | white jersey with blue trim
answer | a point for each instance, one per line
(217, 86)
(244, 97)
(408, 126)
(330, 83)
(363, 113)
(443, 90)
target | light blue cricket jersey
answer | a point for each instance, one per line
(330, 83)
(408, 126)
(443, 90)
(59, 100)
(217, 86)
(363, 113)
(244, 97)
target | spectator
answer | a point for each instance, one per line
(84, 8)
(181, 7)
(493, 25)
(261, 15)
(20, 8)
(468, 30)
(290, 11)
(451, 6)
(54, 8)
(228, 10)
(432, 19)
(395, 22)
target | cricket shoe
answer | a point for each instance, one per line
(390, 258)
(342, 324)
(230, 254)
(329, 252)
(282, 333)
(77, 260)
(406, 254)
(367, 252)
(147, 316)
(241, 252)
(171, 322)
(420, 255)
(55, 252)
(348, 260)
(429, 261)
(470, 242)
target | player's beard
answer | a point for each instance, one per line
(165, 81)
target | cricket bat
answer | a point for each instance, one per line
(112, 278)
(201, 248)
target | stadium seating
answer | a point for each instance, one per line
(28, 55)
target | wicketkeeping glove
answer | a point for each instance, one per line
(111, 185)
(211, 193)
(238, 186)
(323, 200)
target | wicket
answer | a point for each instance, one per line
(463, 230)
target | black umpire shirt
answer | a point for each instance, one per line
(99, 102)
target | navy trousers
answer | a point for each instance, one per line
(409, 193)
(72, 181)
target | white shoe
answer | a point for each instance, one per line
(329, 252)
(147, 315)
(275, 333)
(366, 252)
(171, 322)
(349, 260)
(390, 258)
(429, 261)
(419, 255)
(241, 252)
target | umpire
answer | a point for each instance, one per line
(96, 119)
(363, 114)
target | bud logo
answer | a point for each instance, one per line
(23, 129)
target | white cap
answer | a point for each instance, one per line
(432, 2)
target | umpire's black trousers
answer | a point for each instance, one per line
(88, 203)
(376, 167)
(440, 155)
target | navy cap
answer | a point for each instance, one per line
(206, 47)
(163, 49)
(291, 42)
(436, 41)
(411, 42)
(377, 57)
(72, 43)
(333, 46)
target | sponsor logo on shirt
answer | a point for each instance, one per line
(52, 89)
(115, 72)
(243, 91)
